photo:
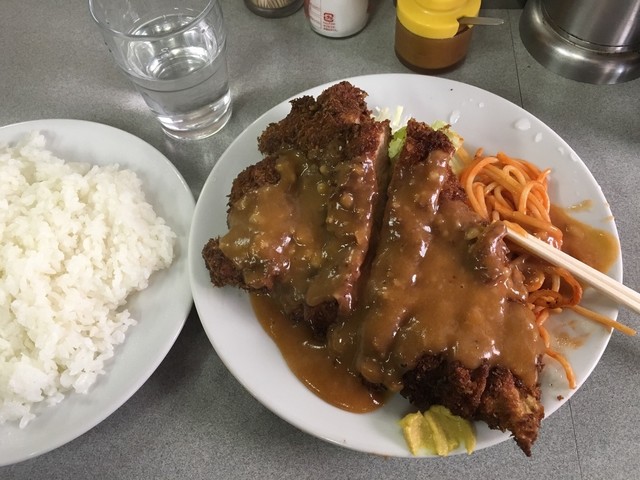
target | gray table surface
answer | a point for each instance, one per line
(192, 419)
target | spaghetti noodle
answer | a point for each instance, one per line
(502, 188)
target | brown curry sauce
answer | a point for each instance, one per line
(421, 294)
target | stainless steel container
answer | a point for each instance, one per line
(593, 41)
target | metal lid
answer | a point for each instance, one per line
(572, 57)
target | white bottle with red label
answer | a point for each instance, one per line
(337, 18)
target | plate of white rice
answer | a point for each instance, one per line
(94, 285)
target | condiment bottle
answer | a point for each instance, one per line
(428, 35)
(337, 18)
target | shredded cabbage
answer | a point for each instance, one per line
(397, 142)
(398, 125)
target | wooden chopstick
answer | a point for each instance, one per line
(598, 280)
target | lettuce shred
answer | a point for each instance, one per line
(397, 142)
(398, 125)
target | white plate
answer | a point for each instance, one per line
(484, 120)
(161, 309)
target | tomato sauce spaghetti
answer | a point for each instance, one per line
(511, 190)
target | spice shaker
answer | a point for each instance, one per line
(428, 36)
(273, 8)
(337, 18)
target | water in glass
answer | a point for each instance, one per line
(182, 77)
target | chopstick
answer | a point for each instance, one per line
(598, 280)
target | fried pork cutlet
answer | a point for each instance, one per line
(301, 221)
(406, 283)
(441, 318)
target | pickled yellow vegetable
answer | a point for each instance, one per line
(437, 431)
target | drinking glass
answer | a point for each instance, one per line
(174, 52)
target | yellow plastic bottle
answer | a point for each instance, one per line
(428, 36)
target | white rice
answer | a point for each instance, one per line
(75, 241)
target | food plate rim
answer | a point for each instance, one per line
(201, 290)
(61, 131)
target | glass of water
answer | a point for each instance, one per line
(174, 52)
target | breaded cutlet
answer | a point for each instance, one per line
(330, 144)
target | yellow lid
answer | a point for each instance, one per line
(435, 18)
